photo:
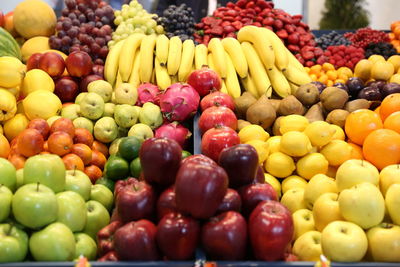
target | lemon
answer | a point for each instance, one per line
(293, 199)
(295, 144)
(36, 79)
(320, 133)
(293, 181)
(274, 144)
(293, 123)
(339, 134)
(279, 164)
(269, 179)
(253, 132)
(261, 148)
(35, 102)
(312, 164)
(336, 152)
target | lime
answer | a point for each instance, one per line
(185, 154)
(135, 167)
(106, 182)
(129, 147)
(116, 168)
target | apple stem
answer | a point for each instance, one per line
(37, 187)
(10, 229)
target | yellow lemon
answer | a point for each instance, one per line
(274, 144)
(293, 123)
(339, 133)
(261, 148)
(336, 152)
(320, 133)
(36, 79)
(269, 179)
(253, 132)
(14, 126)
(295, 144)
(293, 181)
(312, 164)
(279, 165)
(41, 104)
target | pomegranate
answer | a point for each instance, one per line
(148, 92)
(204, 81)
(173, 131)
(215, 116)
(217, 99)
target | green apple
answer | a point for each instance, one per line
(55, 242)
(303, 222)
(109, 110)
(78, 182)
(392, 202)
(383, 242)
(293, 181)
(344, 241)
(356, 171)
(8, 174)
(85, 246)
(103, 195)
(52, 119)
(293, 199)
(326, 210)
(71, 111)
(71, 210)
(92, 106)
(126, 93)
(20, 178)
(34, 205)
(318, 185)
(308, 246)
(362, 204)
(141, 131)
(5, 202)
(151, 115)
(102, 88)
(106, 130)
(388, 176)
(85, 123)
(97, 218)
(13, 243)
(47, 169)
(125, 115)
(80, 97)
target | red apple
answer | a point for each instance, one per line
(52, 63)
(110, 256)
(198, 158)
(270, 230)
(204, 80)
(33, 61)
(260, 177)
(41, 125)
(224, 237)
(98, 70)
(63, 125)
(88, 79)
(105, 237)
(1, 19)
(217, 99)
(217, 116)
(166, 202)
(177, 236)
(79, 64)
(66, 89)
(231, 201)
(200, 189)
(136, 241)
(216, 139)
(253, 194)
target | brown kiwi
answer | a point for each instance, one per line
(337, 117)
(262, 113)
(242, 124)
(315, 113)
(307, 94)
(290, 105)
(333, 98)
(357, 104)
(242, 103)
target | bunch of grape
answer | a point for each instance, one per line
(85, 25)
(133, 18)
(332, 38)
(178, 21)
(384, 49)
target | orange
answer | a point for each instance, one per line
(332, 75)
(328, 66)
(73, 162)
(83, 151)
(30, 142)
(316, 69)
(100, 147)
(356, 151)
(323, 78)
(4, 147)
(389, 105)
(60, 143)
(393, 122)
(382, 148)
(360, 123)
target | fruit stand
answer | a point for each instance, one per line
(243, 139)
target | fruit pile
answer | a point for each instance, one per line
(384, 49)
(328, 75)
(394, 35)
(365, 36)
(332, 39)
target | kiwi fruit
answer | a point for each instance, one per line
(357, 104)
(315, 113)
(242, 124)
(242, 103)
(307, 94)
(337, 117)
(290, 105)
(277, 126)
(261, 113)
(333, 98)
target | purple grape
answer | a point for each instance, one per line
(99, 61)
(91, 16)
(59, 26)
(72, 16)
(82, 7)
(73, 32)
(82, 18)
(65, 12)
(61, 34)
(100, 41)
(105, 20)
(99, 12)
(99, 24)
(71, 4)
(66, 40)
(66, 24)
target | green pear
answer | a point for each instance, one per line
(151, 115)
(102, 88)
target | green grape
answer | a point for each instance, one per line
(125, 7)
(132, 13)
(130, 27)
(138, 30)
(125, 14)
(149, 31)
(124, 36)
(111, 43)
(119, 30)
(144, 28)
(117, 13)
(118, 20)
(133, 3)
(136, 20)
(159, 29)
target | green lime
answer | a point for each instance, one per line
(129, 147)
(107, 182)
(116, 168)
(135, 167)
(185, 154)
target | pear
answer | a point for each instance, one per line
(315, 113)
(337, 117)
(242, 103)
(150, 114)
(261, 113)
(291, 105)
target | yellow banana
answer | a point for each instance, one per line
(279, 83)
(223, 87)
(174, 55)
(249, 85)
(112, 61)
(162, 77)
(281, 57)
(186, 64)
(127, 55)
(257, 70)
(231, 80)
(162, 45)
(153, 77)
(118, 81)
(294, 62)
(261, 43)
(200, 56)
(146, 57)
(234, 50)
(293, 88)
(11, 72)
(218, 53)
(296, 76)
(134, 78)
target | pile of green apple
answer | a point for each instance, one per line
(110, 114)
(49, 212)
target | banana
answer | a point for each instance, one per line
(146, 57)
(211, 62)
(249, 85)
(186, 64)
(153, 77)
(223, 87)
(296, 76)
(118, 81)
(294, 62)
(162, 77)
(127, 55)
(134, 78)
(293, 88)
(200, 56)
(261, 43)
(279, 83)
(231, 80)
(218, 54)
(234, 50)
(11, 72)
(162, 46)
(112, 61)
(174, 55)
(281, 57)
(257, 70)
